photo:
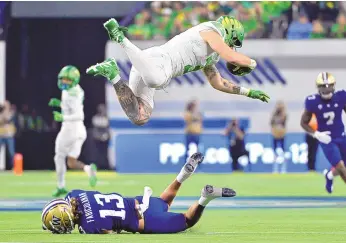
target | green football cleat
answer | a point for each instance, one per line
(59, 192)
(108, 69)
(115, 32)
(93, 178)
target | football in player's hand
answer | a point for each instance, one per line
(238, 71)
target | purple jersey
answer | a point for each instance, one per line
(328, 112)
(104, 212)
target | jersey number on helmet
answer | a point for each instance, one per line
(330, 115)
(107, 199)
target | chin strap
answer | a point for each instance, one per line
(145, 201)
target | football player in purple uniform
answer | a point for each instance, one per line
(97, 213)
(328, 106)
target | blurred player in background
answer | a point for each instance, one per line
(97, 213)
(72, 135)
(312, 144)
(278, 129)
(328, 106)
(193, 127)
(235, 133)
(198, 48)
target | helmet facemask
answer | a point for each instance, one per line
(326, 90)
(325, 83)
(64, 83)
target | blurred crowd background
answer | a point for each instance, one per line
(291, 20)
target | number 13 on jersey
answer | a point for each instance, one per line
(107, 199)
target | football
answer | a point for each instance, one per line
(238, 71)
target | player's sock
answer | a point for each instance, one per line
(60, 168)
(87, 170)
(92, 176)
(190, 167)
(203, 201)
(210, 192)
(330, 175)
(115, 80)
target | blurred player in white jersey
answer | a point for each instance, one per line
(198, 48)
(72, 135)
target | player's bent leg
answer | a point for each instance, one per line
(137, 109)
(332, 153)
(74, 163)
(188, 169)
(144, 61)
(90, 170)
(164, 223)
(170, 192)
(208, 193)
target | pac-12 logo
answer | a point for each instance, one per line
(174, 152)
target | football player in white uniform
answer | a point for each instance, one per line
(199, 47)
(72, 135)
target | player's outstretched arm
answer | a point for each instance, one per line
(227, 53)
(221, 84)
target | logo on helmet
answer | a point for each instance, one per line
(325, 83)
(56, 221)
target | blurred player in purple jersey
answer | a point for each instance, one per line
(97, 213)
(328, 106)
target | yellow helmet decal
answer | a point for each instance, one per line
(325, 78)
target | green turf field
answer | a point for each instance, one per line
(317, 222)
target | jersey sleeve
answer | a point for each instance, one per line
(309, 103)
(343, 95)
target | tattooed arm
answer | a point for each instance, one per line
(221, 84)
(305, 120)
(136, 109)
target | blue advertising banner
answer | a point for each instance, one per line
(165, 153)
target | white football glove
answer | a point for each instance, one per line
(145, 201)
(323, 137)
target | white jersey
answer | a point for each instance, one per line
(189, 52)
(72, 105)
